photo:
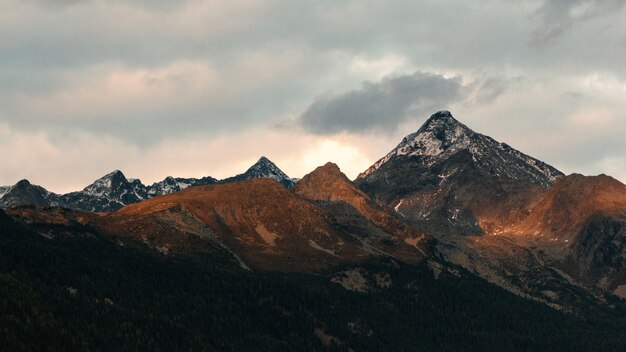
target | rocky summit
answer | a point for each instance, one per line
(263, 168)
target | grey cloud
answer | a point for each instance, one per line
(382, 105)
(559, 16)
(548, 34)
(436, 35)
(487, 90)
(148, 4)
(55, 4)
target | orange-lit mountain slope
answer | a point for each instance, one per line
(260, 221)
(330, 188)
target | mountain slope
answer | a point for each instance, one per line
(447, 177)
(263, 223)
(561, 212)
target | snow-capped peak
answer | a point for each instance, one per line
(442, 136)
(105, 184)
(264, 167)
(438, 134)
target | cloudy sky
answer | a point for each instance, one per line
(196, 88)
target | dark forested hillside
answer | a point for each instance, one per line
(81, 291)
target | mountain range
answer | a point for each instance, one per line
(446, 198)
(113, 191)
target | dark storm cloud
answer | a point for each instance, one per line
(381, 105)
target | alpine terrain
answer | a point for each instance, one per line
(452, 241)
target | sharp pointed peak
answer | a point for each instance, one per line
(264, 160)
(112, 179)
(263, 168)
(443, 127)
(263, 163)
(440, 133)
